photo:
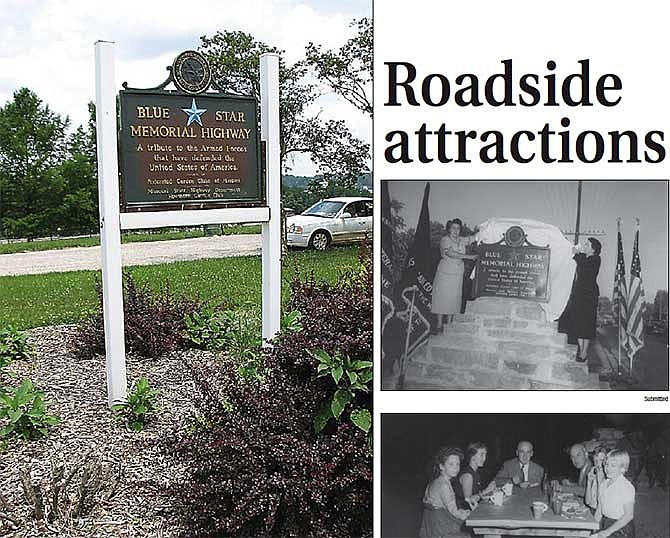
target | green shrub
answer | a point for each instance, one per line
(25, 409)
(206, 329)
(350, 377)
(243, 340)
(141, 401)
(13, 346)
(238, 332)
(291, 322)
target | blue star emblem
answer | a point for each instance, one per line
(194, 113)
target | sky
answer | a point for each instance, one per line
(555, 202)
(47, 45)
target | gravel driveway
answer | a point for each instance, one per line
(149, 253)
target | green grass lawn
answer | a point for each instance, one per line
(129, 237)
(35, 300)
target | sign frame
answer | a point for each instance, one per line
(112, 221)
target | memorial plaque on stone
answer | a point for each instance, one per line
(513, 268)
(188, 150)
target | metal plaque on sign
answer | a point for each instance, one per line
(513, 268)
(180, 149)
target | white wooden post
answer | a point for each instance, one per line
(110, 231)
(271, 230)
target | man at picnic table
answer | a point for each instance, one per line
(521, 471)
(582, 463)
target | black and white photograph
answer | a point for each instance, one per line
(517, 285)
(524, 475)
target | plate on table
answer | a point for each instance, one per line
(574, 508)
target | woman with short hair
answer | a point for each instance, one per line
(578, 320)
(616, 503)
(448, 282)
(441, 515)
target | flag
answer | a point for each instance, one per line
(620, 294)
(416, 286)
(392, 328)
(388, 307)
(635, 301)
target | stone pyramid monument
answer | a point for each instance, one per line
(499, 343)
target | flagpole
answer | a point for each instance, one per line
(630, 355)
(579, 210)
(635, 247)
(401, 380)
(618, 338)
(618, 333)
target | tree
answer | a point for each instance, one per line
(33, 144)
(339, 156)
(79, 209)
(48, 179)
(347, 72)
(661, 305)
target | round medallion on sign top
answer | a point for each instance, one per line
(191, 72)
(515, 236)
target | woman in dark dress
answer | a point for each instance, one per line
(470, 487)
(578, 319)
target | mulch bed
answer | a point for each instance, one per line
(141, 463)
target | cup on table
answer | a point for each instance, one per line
(539, 508)
(507, 489)
(557, 506)
(497, 497)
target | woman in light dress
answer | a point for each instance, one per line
(441, 515)
(616, 500)
(448, 281)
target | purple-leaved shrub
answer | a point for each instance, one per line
(153, 321)
(256, 467)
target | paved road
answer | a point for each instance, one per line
(149, 253)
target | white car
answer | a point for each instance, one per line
(329, 222)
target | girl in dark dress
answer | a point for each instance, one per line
(470, 487)
(578, 319)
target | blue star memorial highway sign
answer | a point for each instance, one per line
(194, 113)
(181, 149)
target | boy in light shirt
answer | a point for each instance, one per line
(616, 505)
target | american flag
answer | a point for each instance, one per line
(635, 301)
(620, 294)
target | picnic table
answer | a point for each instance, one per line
(515, 518)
